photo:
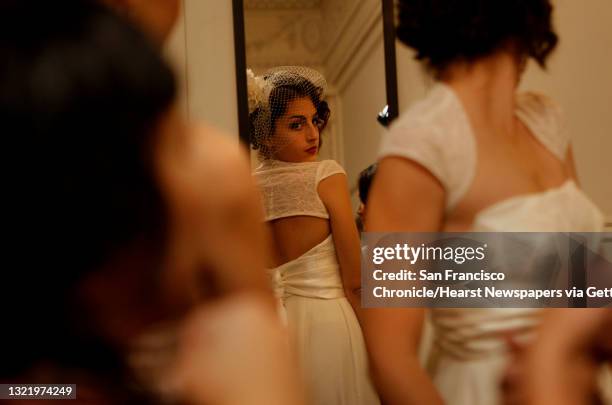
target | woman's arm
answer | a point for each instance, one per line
(404, 197)
(334, 193)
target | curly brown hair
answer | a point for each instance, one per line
(447, 31)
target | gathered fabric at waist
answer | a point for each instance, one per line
(315, 274)
(474, 334)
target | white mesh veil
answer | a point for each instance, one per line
(269, 96)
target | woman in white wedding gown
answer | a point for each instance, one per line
(316, 243)
(472, 156)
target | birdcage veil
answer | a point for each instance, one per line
(268, 97)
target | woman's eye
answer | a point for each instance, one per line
(295, 125)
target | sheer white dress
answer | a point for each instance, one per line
(469, 349)
(326, 333)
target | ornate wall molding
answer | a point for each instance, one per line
(358, 33)
(333, 34)
(283, 37)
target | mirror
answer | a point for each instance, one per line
(351, 42)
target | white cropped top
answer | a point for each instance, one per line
(290, 189)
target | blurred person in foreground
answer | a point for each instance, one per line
(155, 17)
(120, 217)
(475, 155)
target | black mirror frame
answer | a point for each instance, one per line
(392, 108)
(241, 80)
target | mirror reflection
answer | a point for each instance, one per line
(312, 111)
(342, 40)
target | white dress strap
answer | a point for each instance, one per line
(290, 189)
(544, 119)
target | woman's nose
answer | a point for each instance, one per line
(313, 132)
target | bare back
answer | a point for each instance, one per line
(294, 236)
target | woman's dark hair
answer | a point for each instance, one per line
(283, 92)
(365, 181)
(446, 31)
(81, 93)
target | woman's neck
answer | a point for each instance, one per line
(487, 90)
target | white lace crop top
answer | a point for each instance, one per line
(436, 133)
(290, 189)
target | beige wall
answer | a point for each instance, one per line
(202, 49)
(362, 99)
